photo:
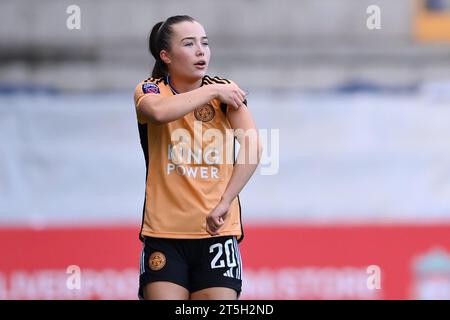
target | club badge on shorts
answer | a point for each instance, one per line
(205, 113)
(157, 261)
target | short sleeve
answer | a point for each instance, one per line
(143, 89)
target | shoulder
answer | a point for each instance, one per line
(212, 80)
(150, 85)
(216, 79)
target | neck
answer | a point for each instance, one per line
(181, 85)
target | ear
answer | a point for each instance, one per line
(165, 57)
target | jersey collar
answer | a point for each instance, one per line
(173, 89)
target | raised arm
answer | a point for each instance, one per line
(158, 109)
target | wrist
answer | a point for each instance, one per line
(226, 200)
(213, 91)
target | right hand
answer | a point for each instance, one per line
(231, 94)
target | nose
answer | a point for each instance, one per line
(200, 51)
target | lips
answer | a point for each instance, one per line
(201, 63)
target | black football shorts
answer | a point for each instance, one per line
(192, 263)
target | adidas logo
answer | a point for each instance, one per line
(229, 273)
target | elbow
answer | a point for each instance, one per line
(152, 109)
(154, 114)
(157, 117)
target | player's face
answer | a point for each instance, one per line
(189, 53)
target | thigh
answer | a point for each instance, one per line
(164, 290)
(218, 273)
(163, 270)
(214, 293)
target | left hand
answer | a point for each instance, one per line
(216, 218)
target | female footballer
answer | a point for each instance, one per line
(191, 222)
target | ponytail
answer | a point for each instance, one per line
(159, 69)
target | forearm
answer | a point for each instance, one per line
(242, 173)
(167, 109)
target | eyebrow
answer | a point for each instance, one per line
(193, 38)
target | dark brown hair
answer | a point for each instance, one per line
(159, 39)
